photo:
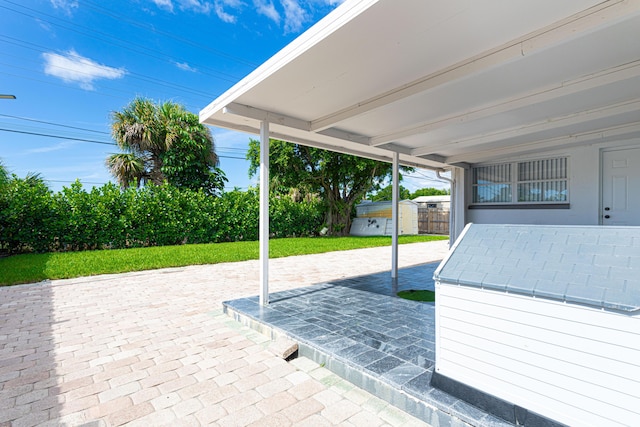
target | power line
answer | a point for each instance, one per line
(218, 147)
(93, 141)
(124, 18)
(423, 177)
(54, 124)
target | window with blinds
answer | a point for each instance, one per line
(535, 181)
(492, 184)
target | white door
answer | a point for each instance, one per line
(621, 187)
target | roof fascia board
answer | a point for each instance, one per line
(600, 15)
(340, 16)
(351, 151)
(601, 135)
(547, 93)
(404, 160)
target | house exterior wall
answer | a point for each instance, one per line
(574, 364)
(584, 191)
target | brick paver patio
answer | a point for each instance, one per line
(153, 348)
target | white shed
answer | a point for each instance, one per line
(542, 322)
(374, 218)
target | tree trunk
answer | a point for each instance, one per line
(155, 175)
(338, 217)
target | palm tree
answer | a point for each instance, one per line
(160, 143)
(128, 169)
(139, 131)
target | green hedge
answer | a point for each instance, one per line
(34, 219)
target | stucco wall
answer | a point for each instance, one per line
(584, 191)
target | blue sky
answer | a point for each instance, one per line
(71, 63)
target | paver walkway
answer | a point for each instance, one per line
(153, 348)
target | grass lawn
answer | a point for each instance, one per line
(418, 295)
(37, 267)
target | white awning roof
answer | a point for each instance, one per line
(449, 82)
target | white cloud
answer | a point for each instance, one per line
(186, 67)
(44, 25)
(57, 147)
(267, 9)
(196, 6)
(224, 16)
(73, 68)
(221, 8)
(66, 5)
(334, 2)
(164, 4)
(294, 16)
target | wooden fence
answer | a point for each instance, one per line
(433, 221)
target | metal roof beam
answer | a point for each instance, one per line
(601, 135)
(608, 11)
(346, 136)
(544, 94)
(263, 115)
(551, 123)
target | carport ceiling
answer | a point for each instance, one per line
(449, 82)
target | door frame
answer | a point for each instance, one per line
(601, 172)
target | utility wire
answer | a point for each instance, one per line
(233, 150)
(46, 135)
(54, 124)
(124, 18)
(92, 141)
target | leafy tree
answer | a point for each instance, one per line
(163, 142)
(191, 161)
(386, 194)
(4, 174)
(430, 192)
(341, 180)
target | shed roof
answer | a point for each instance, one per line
(432, 199)
(449, 82)
(592, 265)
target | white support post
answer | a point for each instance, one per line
(395, 181)
(264, 213)
(458, 214)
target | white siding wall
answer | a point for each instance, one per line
(573, 364)
(584, 192)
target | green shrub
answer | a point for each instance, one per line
(29, 221)
(33, 219)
